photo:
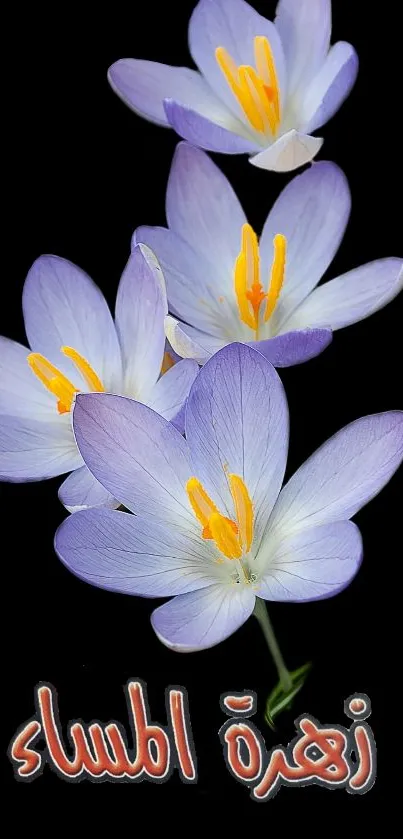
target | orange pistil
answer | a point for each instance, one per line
(248, 288)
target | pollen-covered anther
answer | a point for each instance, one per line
(243, 511)
(232, 538)
(257, 90)
(57, 383)
(89, 375)
(277, 274)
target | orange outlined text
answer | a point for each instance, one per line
(331, 756)
(101, 752)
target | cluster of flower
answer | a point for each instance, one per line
(174, 410)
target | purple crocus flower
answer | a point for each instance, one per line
(261, 88)
(225, 286)
(76, 346)
(212, 528)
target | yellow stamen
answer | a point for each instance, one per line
(53, 380)
(256, 90)
(243, 510)
(277, 274)
(248, 98)
(260, 96)
(266, 69)
(60, 385)
(88, 374)
(232, 538)
(241, 289)
(167, 363)
(225, 538)
(248, 289)
(203, 507)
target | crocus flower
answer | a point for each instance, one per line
(261, 88)
(212, 528)
(225, 286)
(75, 347)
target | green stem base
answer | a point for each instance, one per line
(260, 612)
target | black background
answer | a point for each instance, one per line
(84, 171)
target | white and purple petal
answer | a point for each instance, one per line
(304, 27)
(213, 131)
(144, 85)
(341, 476)
(21, 392)
(204, 618)
(81, 491)
(329, 89)
(137, 455)
(191, 343)
(141, 306)
(294, 347)
(33, 450)
(350, 297)
(63, 307)
(313, 564)
(312, 212)
(170, 392)
(193, 287)
(203, 209)
(127, 554)
(237, 422)
(292, 150)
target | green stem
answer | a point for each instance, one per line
(260, 612)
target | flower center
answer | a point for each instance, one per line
(256, 90)
(248, 288)
(233, 538)
(60, 385)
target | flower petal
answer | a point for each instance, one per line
(21, 393)
(232, 25)
(32, 450)
(201, 619)
(204, 210)
(313, 564)
(312, 212)
(191, 343)
(124, 553)
(237, 422)
(330, 87)
(141, 306)
(294, 347)
(171, 391)
(213, 131)
(193, 288)
(342, 475)
(138, 456)
(289, 152)
(304, 27)
(351, 297)
(81, 490)
(63, 306)
(143, 86)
